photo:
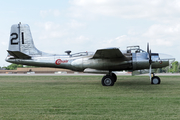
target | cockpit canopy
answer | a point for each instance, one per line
(134, 49)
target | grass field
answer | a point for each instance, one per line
(83, 97)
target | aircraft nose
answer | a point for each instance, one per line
(166, 57)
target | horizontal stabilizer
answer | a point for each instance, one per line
(19, 55)
(108, 53)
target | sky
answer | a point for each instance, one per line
(88, 25)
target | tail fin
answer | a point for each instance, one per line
(21, 40)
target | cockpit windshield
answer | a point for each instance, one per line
(134, 49)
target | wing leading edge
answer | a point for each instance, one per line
(108, 54)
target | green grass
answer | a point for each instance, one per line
(83, 97)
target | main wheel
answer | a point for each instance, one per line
(155, 80)
(107, 80)
(114, 76)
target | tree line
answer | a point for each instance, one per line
(15, 66)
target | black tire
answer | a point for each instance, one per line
(114, 76)
(155, 80)
(107, 80)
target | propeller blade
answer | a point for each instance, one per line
(147, 47)
(150, 61)
(150, 71)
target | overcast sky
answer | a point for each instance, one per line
(87, 25)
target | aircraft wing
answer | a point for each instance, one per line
(108, 53)
(19, 55)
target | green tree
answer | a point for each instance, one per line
(175, 66)
(13, 66)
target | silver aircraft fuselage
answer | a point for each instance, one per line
(82, 61)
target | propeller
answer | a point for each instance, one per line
(150, 60)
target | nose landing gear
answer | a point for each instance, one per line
(155, 80)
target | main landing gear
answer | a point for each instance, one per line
(109, 79)
(155, 79)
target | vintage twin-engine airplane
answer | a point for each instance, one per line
(22, 51)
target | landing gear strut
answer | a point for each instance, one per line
(155, 79)
(109, 79)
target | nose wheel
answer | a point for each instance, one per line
(155, 80)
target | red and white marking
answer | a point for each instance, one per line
(59, 61)
(160, 62)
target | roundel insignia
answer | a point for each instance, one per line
(160, 62)
(59, 61)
